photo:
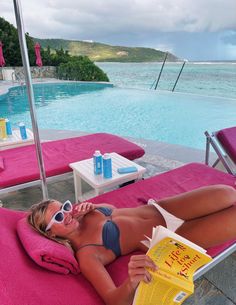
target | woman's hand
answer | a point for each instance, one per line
(83, 209)
(137, 269)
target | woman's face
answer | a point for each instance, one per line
(64, 228)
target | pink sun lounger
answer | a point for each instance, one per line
(224, 144)
(22, 281)
(19, 167)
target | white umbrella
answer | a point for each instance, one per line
(25, 59)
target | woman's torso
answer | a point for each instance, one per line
(133, 224)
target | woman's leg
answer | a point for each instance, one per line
(211, 230)
(200, 202)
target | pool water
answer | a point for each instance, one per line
(175, 118)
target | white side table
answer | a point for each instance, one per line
(16, 140)
(83, 170)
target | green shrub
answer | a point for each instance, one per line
(81, 68)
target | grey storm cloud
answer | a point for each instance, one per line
(97, 18)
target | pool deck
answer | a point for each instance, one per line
(215, 287)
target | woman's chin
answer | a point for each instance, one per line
(73, 225)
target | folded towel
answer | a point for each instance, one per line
(1, 164)
(45, 252)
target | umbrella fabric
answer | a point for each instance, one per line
(2, 60)
(38, 55)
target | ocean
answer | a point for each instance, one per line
(202, 78)
(204, 99)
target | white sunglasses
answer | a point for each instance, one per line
(58, 217)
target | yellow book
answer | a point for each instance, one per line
(177, 259)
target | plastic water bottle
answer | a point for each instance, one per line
(23, 131)
(8, 127)
(97, 162)
(107, 166)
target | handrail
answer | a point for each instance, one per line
(178, 76)
(159, 76)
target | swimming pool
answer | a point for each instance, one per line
(157, 115)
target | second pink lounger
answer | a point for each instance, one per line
(20, 164)
(224, 144)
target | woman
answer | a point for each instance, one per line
(100, 233)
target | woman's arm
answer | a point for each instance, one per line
(96, 273)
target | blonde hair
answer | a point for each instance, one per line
(36, 218)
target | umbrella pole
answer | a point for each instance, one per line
(25, 59)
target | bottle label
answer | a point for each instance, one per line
(8, 127)
(23, 132)
(107, 168)
(97, 163)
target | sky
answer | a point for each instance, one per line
(194, 30)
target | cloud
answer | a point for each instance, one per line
(91, 18)
(153, 23)
(165, 47)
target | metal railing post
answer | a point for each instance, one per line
(159, 76)
(178, 76)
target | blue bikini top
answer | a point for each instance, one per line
(110, 233)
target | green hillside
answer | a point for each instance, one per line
(104, 52)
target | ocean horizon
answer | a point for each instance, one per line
(212, 78)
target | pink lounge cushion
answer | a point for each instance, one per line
(1, 164)
(45, 252)
(24, 282)
(59, 154)
(227, 138)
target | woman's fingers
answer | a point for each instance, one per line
(136, 279)
(137, 269)
(137, 261)
(83, 208)
(141, 272)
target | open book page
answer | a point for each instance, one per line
(172, 283)
(160, 232)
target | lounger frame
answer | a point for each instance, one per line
(36, 183)
(220, 257)
(228, 163)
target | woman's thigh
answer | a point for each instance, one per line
(211, 230)
(200, 202)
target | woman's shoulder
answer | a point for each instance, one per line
(92, 254)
